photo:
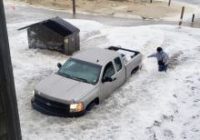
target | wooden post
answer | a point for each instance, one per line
(9, 118)
(181, 17)
(151, 1)
(169, 3)
(74, 7)
(28, 1)
(193, 16)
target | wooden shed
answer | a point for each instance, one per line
(54, 34)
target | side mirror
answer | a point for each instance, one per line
(59, 65)
(107, 79)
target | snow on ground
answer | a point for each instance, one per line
(150, 106)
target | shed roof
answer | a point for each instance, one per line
(58, 25)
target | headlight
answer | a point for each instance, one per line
(36, 92)
(77, 107)
(33, 92)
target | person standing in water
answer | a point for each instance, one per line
(162, 58)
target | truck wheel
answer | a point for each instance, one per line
(140, 67)
(135, 70)
(92, 104)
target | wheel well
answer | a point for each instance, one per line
(135, 70)
(96, 100)
(92, 103)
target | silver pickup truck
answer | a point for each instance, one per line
(84, 80)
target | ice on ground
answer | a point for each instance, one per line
(150, 106)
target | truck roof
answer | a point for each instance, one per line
(96, 55)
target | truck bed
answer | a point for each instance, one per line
(126, 54)
(132, 59)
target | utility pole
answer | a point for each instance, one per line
(9, 118)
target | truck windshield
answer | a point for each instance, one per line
(80, 71)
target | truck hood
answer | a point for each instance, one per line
(64, 90)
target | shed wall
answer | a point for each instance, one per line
(73, 44)
(40, 36)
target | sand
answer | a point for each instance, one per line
(138, 8)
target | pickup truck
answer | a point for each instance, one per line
(84, 80)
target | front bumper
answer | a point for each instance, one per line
(53, 108)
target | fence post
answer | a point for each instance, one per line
(9, 118)
(74, 7)
(28, 1)
(193, 16)
(181, 17)
(169, 3)
(151, 1)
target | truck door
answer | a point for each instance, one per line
(107, 87)
(120, 72)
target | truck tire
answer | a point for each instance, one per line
(135, 70)
(92, 104)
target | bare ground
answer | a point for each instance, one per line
(130, 8)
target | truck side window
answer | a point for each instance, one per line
(118, 63)
(109, 70)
